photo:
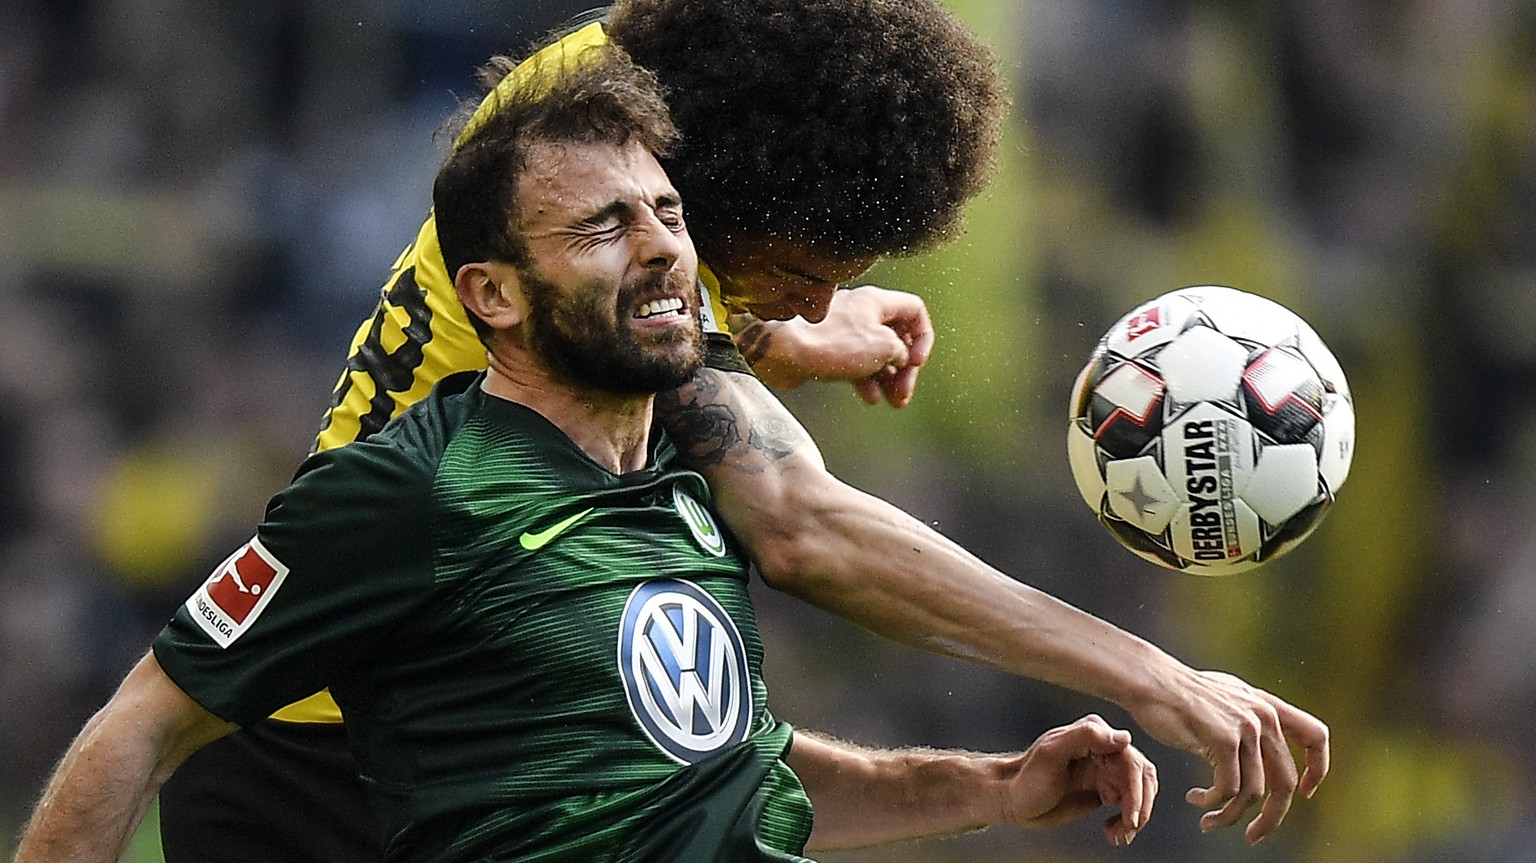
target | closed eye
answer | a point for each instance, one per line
(669, 211)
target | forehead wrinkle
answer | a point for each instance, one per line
(579, 183)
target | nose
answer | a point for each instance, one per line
(660, 246)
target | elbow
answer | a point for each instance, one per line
(784, 553)
(797, 546)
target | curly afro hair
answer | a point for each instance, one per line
(856, 127)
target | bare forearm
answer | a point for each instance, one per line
(874, 338)
(93, 805)
(928, 592)
(105, 782)
(867, 561)
(766, 347)
(868, 797)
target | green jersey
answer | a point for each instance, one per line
(538, 660)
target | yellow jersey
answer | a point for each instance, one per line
(419, 333)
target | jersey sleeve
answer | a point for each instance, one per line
(341, 559)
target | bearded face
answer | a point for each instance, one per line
(625, 342)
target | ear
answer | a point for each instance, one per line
(493, 292)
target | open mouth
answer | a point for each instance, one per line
(665, 307)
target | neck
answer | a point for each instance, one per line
(613, 429)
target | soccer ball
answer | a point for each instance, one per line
(1210, 430)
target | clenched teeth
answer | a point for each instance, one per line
(670, 305)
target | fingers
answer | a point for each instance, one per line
(1129, 796)
(1308, 732)
(1148, 794)
(1280, 777)
(1252, 762)
(908, 318)
(847, 348)
(1134, 787)
(868, 390)
(1131, 781)
(895, 382)
(891, 384)
(914, 330)
(909, 330)
(1111, 771)
(875, 338)
(1317, 768)
(911, 322)
(1090, 735)
(1229, 766)
(1238, 781)
(898, 384)
(1135, 806)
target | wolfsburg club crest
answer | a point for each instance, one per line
(700, 522)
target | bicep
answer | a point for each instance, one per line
(151, 695)
(762, 467)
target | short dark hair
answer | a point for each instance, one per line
(599, 96)
(857, 127)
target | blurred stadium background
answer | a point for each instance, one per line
(198, 201)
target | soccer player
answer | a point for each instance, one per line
(540, 635)
(818, 135)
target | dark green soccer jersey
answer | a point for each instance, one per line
(538, 660)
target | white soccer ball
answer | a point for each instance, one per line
(1210, 430)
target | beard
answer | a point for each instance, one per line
(586, 337)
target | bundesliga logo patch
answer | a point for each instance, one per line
(237, 591)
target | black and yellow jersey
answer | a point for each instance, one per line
(419, 333)
(538, 658)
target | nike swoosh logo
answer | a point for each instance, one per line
(535, 541)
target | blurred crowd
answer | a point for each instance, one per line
(199, 201)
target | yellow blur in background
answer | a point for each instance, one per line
(185, 250)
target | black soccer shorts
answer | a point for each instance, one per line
(275, 792)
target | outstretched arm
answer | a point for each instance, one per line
(870, 797)
(859, 557)
(105, 782)
(878, 339)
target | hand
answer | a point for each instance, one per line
(874, 337)
(1073, 770)
(1245, 734)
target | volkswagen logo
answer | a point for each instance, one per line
(684, 668)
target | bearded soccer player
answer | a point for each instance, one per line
(818, 135)
(540, 635)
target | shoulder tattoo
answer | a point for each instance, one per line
(703, 428)
(721, 418)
